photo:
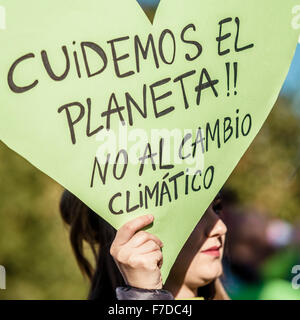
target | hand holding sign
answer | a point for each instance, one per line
(135, 118)
(138, 254)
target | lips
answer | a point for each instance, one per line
(213, 251)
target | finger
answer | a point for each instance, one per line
(126, 251)
(126, 232)
(141, 237)
(160, 262)
(147, 247)
(154, 259)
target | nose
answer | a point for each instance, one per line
(218, 228)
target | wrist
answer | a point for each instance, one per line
(134, 293)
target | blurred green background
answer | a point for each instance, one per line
(34, 244)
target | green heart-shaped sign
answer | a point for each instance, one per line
(135, 118)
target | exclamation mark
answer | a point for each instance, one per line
(235, 67)
(228, 77)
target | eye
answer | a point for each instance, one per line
(217, 206)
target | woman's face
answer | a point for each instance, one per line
(199, 261)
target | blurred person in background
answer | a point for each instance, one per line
(128, 262)
(261, 252)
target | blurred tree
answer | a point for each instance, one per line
(34, 245)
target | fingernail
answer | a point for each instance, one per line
(150, 216)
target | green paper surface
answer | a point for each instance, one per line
(246, 71)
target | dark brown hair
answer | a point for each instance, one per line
(87, 226)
